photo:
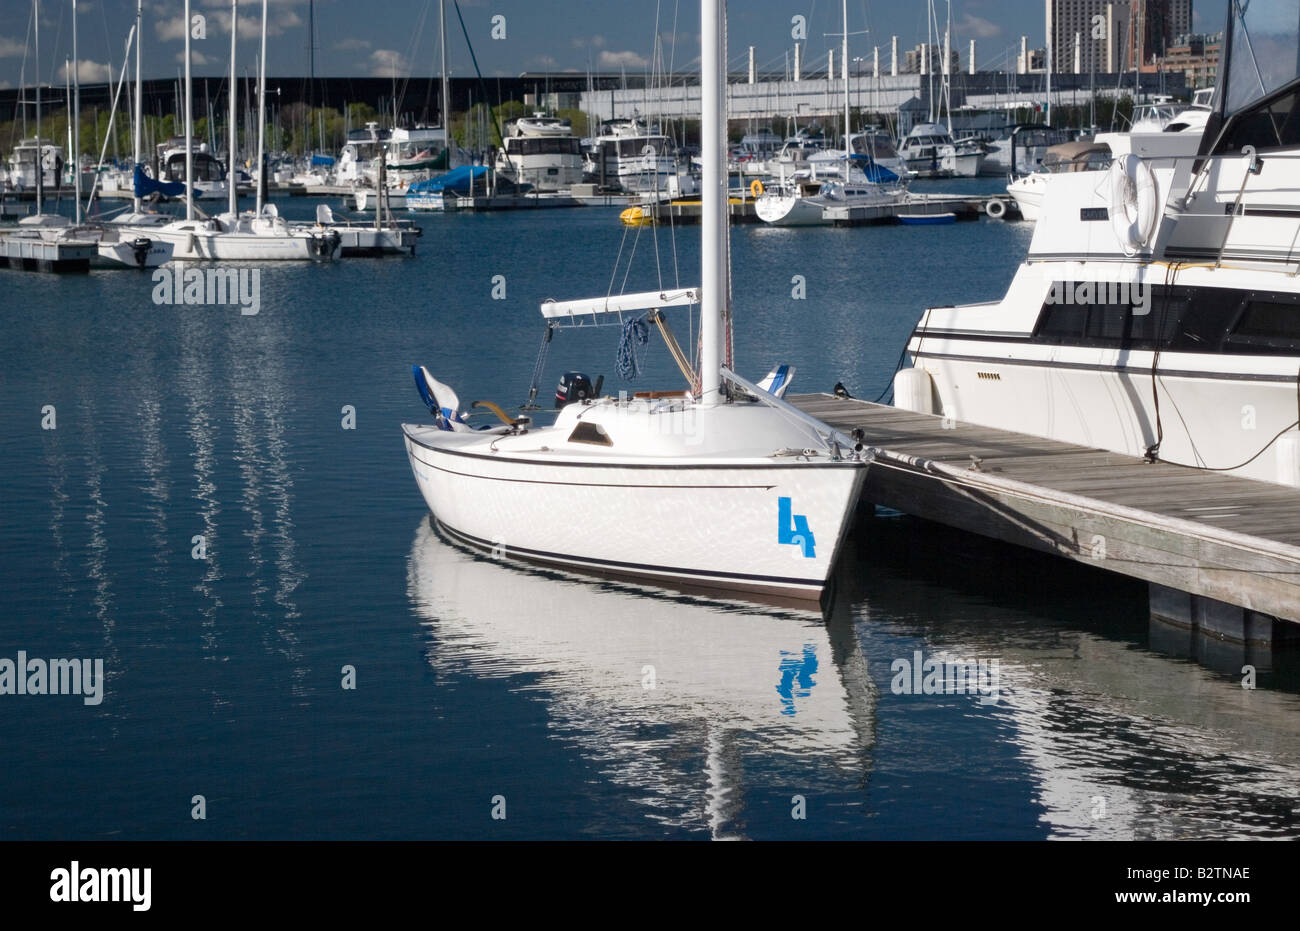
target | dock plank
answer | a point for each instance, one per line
(1217, 535)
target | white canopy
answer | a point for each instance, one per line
(619, 303)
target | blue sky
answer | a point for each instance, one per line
(365, 37)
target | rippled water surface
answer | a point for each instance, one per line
(476, 679)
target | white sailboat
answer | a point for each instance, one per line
(803, 198)
(929, 149)
(260, 236)
(722, 487)
(114, 247)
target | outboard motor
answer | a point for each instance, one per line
(324, 245)
(573, 387)
(140, 247)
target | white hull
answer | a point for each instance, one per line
(194, 241)
(794, 210)
(1219, 409)
(790, 210)
(123, 254)
(1093, 397)
(640, 181)
(963, 165)
(543, 174)
(691, 520)
(365, 200)
(1028, 194)
(434, 201)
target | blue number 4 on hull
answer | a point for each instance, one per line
(793, 529)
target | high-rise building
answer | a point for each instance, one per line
(1109, 36)
(1076, 33)
(1154, 25)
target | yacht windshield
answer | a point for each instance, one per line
(1265, 53)
(876, 146)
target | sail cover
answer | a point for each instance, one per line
(145, 185)
(876, 174)
(458, 179)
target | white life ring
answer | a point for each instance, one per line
(996, 208)
(1133, 201)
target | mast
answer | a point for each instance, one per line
(232, 183)
(189, 121)
(1051, 30)
(947, 67)
(139, 15)
(844, 68)
(446, 94)
(713, 127)
(76, 120)
(261, 117)
(40, 152)
(929, 61)
(67, 99)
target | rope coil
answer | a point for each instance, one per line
(635, 333)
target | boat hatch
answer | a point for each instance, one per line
(591, 433)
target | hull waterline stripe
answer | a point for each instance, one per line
(1133, 371)
(646, 570)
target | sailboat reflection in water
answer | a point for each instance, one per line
(686, 703)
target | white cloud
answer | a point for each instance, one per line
(11, 48)
(249, 27)
(88, 72)
(384, 63)
(351, 45)
(623, 60)
(976, 26)
(196, 58)
(169, 29)
(588, 41)
(172, 28)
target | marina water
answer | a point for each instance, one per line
(328, 667)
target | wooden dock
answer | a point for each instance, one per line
(31, 253)
(963, 207)
(481, 203)
(1222, 554)
(688, 212)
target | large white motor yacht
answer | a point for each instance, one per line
(1157, 313)
(541, 151)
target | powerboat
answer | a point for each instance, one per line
(1157, 313)
(541, 151)
(634, 158)
(1028, 191)
(929, 151)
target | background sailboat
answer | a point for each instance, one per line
(802, 199)
(264, 236)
